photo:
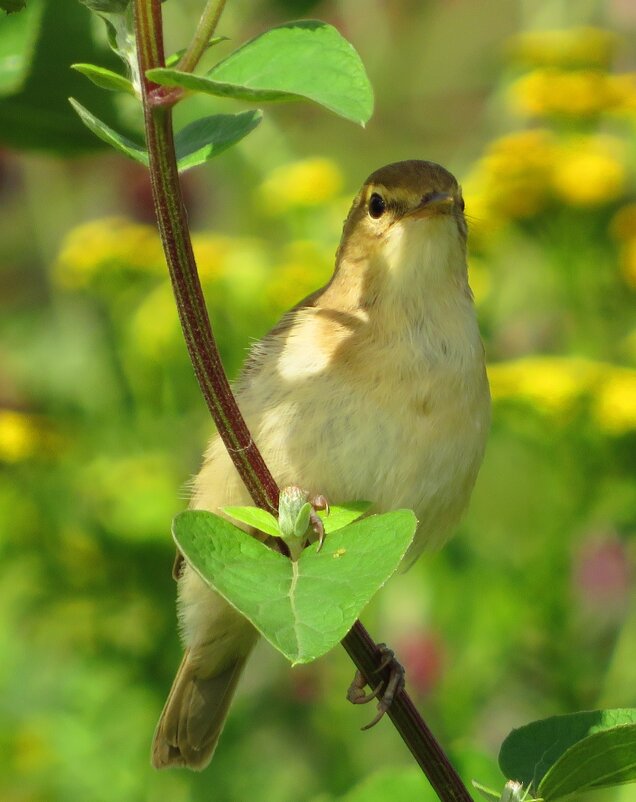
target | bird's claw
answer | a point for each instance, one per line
(315, 521)
(385, 691)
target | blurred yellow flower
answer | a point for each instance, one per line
(304, 268)
(155, 325)
(578, 93)
(572, 47)
(552, 384)
(590, 170)
(615, 405)
(512, 179)
(211, 252)
(311, 182)
(22, 436)
(111, 243)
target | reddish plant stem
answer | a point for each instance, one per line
(175, 236)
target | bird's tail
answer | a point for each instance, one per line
(194, 713)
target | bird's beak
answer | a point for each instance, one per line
(433, 204)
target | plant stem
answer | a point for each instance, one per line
(175, 236)
(202, 35)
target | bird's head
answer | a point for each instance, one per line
(406, 231)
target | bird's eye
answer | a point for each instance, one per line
(377, 206)
(461, 204)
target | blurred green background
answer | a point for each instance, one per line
(528, 612)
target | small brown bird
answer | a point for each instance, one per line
(374, 387)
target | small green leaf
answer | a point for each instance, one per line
(105, 79)
(108, 135)
(204, 139)
(260, 519)
(301, 60)
(303, 608)
(528, 753)
(487, 793)
(343, 515)
(18, 39)
(173, 59)
(603, 759)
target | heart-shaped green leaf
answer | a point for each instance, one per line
(303, 608)
(205, 138)
(343, 515)
(603, 759)
(301, 60)
(560, 752)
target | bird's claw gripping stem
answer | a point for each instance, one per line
(385, 690)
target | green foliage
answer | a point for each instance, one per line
(300, 60)
(570, 754)
(35, 80)
(525, 613)
(11, 6)
(285, 600)
(105, 79)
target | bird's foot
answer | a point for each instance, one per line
(315, 521)
(385, 690)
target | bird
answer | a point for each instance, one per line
(373, 387)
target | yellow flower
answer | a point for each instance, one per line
(555, 384)
(154, 327)
(21, 436)
(579, 93)
(311, 182)
(211, 252)
(615, 406)
(590, 171)
(552, 384)
(512, 180)
(574, 47)
(104, 245)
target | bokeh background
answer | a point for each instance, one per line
(528, 612)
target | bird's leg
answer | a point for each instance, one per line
(385, 690)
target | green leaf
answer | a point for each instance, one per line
(605, 758)
(343, 515)
(528, 753)
(174, 58)
(34, 112)
(487, 793)
(19, 35)
(301, 60)
(204, 139)
(108, 135)
(260, 519)
(302, 608)
(105, 79)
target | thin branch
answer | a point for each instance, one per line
(175, 236)
(202, 35)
